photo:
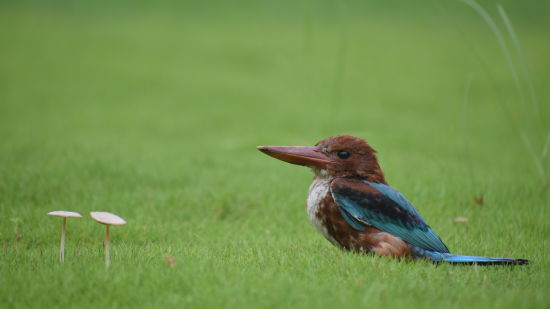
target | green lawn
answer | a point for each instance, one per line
(154, 114)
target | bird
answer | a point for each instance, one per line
(351, 204)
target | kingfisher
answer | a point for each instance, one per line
(351, 204)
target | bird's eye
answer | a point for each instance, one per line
(343, 154)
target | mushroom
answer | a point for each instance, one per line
(65, 215)
(108, 219)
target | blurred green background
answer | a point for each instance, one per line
(152, 110)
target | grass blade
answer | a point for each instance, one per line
(519, 51)
(501, 42)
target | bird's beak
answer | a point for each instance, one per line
(300, 155)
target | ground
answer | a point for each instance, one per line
(153, 113)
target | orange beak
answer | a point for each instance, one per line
(301, 155)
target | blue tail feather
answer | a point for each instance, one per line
(466, 259)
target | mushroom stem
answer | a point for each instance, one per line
(64, 214)
(107, 250)
(107, 219)
(62, 246)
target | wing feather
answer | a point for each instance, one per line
(379, 205)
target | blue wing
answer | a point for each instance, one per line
(365, 203)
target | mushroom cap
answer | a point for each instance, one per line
(66, 214)
(107, 218)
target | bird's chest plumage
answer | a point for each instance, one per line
(327, 220)
(319, 191)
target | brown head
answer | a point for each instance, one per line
(338, 156)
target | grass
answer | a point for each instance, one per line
(154, 115)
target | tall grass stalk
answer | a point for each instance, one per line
(530, 116)
(521, 56)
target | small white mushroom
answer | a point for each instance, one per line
(65, 215)
(108, 219)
